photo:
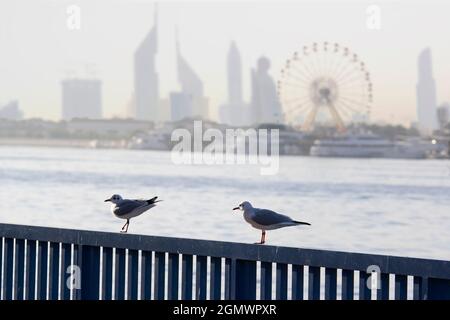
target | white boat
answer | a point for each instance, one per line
(368, 146)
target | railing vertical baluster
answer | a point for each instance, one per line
(53, 270)
(245, 279)
(146, 275)
(383, 289)
(90, 272)
(365, 292)
(266, 281)
(200, 292)
(348, 282)
(76, 292)
(107, 274)
(8, 269)
(186, 277)
(314, 283)
(172, 293)
(1, 268)
(417, 288)
(424, 288)
(41, 273)
(30, 275)
(420, 288)
(119, 275)
(216, 277)
(160, 270)
(19, 269)
(401, 284)
(330, 284)
(65, 256)
(281, 281)
(133, 257)
(230, 279)
(297, 282)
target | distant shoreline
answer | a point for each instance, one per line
(114, 144)
(57, 143)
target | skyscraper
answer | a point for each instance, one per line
(81, 98)
(234, 69)
(234, 111)
(11, 111)
(426, 94)
(146, 88)
(191, 86)
(443, 114)
(265, 105)
(181, 106)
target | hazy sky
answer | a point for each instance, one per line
(37, 49)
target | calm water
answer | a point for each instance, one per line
(399, 207)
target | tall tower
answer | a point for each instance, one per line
(234, 75)
(191, 85)
(265, 105)
(234, 112)
(426, 93)
(146, 87)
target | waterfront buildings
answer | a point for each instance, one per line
(81, 98)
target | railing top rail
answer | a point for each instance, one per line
(311, 257)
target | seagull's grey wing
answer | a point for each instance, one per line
(267, 217)
(127, 206)
(149, 201)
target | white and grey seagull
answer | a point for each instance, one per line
(264, 219)
(128, 208)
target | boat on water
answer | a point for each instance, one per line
(370, 146)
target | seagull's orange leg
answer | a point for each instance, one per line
(125, 225)
(263, 237)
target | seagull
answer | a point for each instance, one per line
(264, 219)
(127, 209)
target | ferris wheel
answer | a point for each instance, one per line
(325, 83)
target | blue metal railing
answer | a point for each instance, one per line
(50, 263)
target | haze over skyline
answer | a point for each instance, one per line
(38, 50)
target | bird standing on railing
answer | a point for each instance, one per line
(264, 219)
(127, 209)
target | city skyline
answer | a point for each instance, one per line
(392, 64)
